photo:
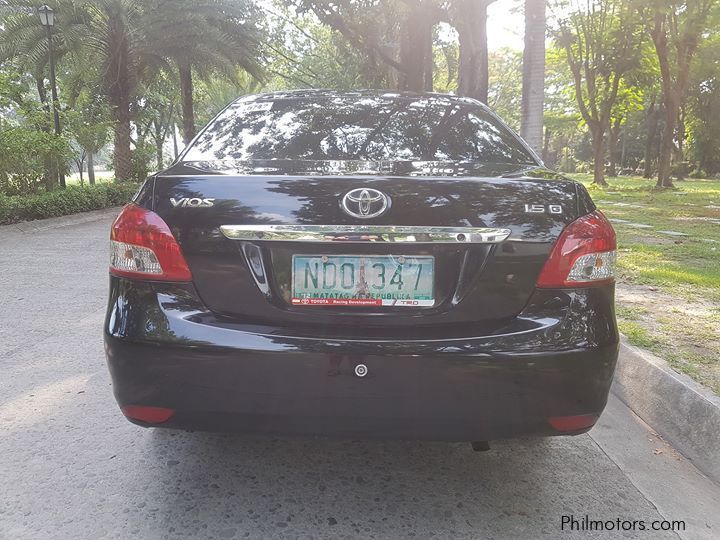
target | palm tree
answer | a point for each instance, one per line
(109, 30)
(115, 31)
(533, 87)
(203, 37)
(24, 41)
(131, 41)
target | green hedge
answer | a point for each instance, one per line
(72, 200)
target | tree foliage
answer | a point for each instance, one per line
(601, 39)
(704, 106)
(129, 43)
(676, 28)
(205, 38)
(24, 153)
(628, 86)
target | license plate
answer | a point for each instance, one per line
(362, 280)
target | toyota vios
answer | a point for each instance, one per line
(362, 264)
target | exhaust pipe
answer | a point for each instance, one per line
(480, 446)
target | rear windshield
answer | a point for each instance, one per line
(361, 128)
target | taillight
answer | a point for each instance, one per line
(568, 424)
(142, 246)
(149, 415)
(583, 256)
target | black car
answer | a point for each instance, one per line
(362, 264)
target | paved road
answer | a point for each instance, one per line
(72, 467)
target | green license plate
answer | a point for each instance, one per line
(362, 280)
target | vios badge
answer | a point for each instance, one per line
(194, 202)
(365, 203)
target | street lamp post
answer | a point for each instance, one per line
(47, 19)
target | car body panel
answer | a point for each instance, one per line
(556, 359)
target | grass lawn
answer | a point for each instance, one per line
(101, 177)
(669, 284)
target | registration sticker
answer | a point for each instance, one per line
(259, 106)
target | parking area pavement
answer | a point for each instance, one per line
(72, 467)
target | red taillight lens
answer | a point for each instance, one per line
(150, 415)
(567, 424)
(142, 246)
(583, 256)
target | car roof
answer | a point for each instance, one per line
(328, 93)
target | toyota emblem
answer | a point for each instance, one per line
(365, 203)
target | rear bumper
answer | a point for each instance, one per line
(557, 359)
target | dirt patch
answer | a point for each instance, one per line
(652, 240)
(648, 296)
(685, 332)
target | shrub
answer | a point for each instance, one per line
(681, 169)
(584, 167)
(142, 156)
(22, 170)
(72, 200)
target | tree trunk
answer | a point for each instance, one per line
(613, 136)
(680, 147)
(42, 92)
(647, 172)
(188, 106)
(91, 168)
(119, 85)
(651, 127)
(122, 156)
(546, 146)
(50, 178)
(681, 133)
(598, 145)
(666, 146)
(416, 50)
(174, 138)
(470, 21)
(669, 91)
(428, 59)
(159, 141)
(533, 86)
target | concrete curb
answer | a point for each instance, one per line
(683, 412)
(62, 221)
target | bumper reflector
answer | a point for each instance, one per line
(150, 415)
(572, 423)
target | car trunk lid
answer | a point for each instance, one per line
(478, 281)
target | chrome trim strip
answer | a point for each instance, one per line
(365, 233)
